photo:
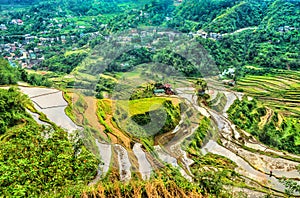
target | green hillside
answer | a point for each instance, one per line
(244, 14)
(32, 165)
(141, 83)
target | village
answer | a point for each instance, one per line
(28, 50)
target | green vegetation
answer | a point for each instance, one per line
(237, 17)
(290, 185)
(268, 126)
(11, 75)
(212, 172)
(143, 92)
(8, 74)
(270, 44)
(104, 48)
(104, 108)
(269, 37)
(217, 16)
(12, 109)
(165, 60)
(105, 84)
(36, 160)
(277, 89)
(170, 122)
(219, 102)
(64, 63)
(148, 116)
(196, 141)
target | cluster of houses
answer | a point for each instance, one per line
(3, 27)
(286, 29)
(16, 51)
(203, 34)
(54, 23)
(228, 77)
(163, 89)
(155, 36)
(17, 22)
(51, 24)
(218, 36)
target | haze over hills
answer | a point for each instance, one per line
(149, 98)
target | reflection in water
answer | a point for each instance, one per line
(144, 165)
(124, 163)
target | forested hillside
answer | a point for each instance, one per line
(35, 159)
(272, 39)
(259, 33)
(237, 33)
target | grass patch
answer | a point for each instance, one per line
(148, 116)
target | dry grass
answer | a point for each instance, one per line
(138, 189)
(91, 115)
(266, 118)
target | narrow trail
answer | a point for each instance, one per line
(120, 137)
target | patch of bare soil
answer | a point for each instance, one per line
(266, 118)
(91, 115)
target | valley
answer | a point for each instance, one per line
(234, 144)
(152, 98)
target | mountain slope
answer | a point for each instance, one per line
(244, 14)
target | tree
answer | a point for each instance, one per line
(8, 74)
(201, 86)
(291, 187)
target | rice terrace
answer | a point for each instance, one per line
(152, 98)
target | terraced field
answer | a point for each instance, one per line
(280, 91)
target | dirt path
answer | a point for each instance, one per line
(91, 115)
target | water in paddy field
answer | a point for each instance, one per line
(52, 103)
(144, 165)
(124, 163)
(105, 154)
